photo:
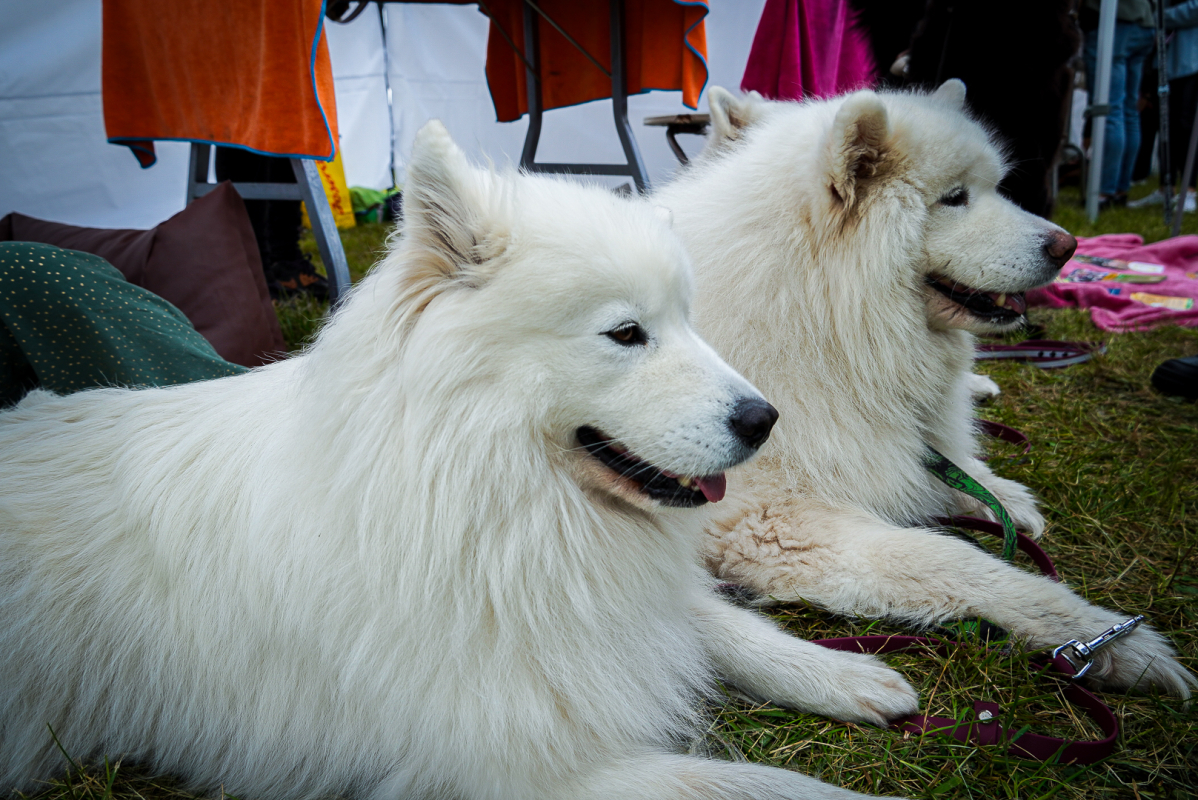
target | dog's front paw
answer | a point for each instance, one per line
(864, 689)
(981, 387)
(1020, 503)
(1143, 662)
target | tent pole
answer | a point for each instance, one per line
(1162, 102)
(1100, 105)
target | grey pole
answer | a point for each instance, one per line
(1100, 103)
(1186, 174)
(1162, 103)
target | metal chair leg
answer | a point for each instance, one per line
(328, 241)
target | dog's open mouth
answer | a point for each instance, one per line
(998, 307)
(661, 485)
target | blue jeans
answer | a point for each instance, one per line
(1133, 44)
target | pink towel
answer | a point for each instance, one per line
(808, 48)
(1111, 305)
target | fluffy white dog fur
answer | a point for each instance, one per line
(813, 228)
(385, 568)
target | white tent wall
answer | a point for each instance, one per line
(59, 166)
(359, 77)
(437, 56)
(57, 163)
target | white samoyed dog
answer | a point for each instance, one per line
(845, 252)
(447, 552)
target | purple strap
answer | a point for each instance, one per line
(985, 727)
(1044, 353)
(1006, 433)
(1023, 541)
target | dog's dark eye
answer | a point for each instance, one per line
(629, 334)
(957, 197)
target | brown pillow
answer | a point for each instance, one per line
(204, 260)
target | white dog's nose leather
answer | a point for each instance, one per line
(752, 420)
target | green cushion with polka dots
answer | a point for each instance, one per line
(70, 321)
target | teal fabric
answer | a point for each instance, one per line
(70, 321)
(1181, 52)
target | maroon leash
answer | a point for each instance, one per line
(1025, 543)
(984, 728)
(1006, 433)
(1069, 661)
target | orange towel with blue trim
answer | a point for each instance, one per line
(253, 74)
(665, 47)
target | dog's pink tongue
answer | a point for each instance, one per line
(713, 487)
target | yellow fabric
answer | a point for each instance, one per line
(332, 175)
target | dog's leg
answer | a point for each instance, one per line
(751, 653)
(981, 387)
(1016, 498)
(664, 776)
(854, 564)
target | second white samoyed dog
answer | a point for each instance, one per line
(845, 251)
(446, 553)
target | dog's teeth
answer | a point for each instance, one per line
(1002, 299)
(685, 481)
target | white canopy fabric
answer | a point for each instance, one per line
(58, 165)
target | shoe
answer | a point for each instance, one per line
(1177, 377)
(296, 276)
(1155, 198)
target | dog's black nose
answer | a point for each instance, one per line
(751, 421)
(1059, 247)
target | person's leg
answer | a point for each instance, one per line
(277, 223)
(1140, 43)
(1116, 122)
(1183, 100)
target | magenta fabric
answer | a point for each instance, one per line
(1119, 312)
(808, 48)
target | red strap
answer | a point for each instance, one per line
(1023, 541)
(985, 727)
(1006, 433)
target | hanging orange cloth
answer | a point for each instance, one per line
(253, 74)
(665, 47)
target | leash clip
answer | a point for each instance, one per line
(1083, 653)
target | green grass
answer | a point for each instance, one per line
(1116, 467)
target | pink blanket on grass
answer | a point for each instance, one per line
(808, 48)
(1111, 304)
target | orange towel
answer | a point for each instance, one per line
(253, 74)
(665, 47)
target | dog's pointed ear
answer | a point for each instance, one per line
(731, 115)
(445, 206)
(857, 145)
(951, 93)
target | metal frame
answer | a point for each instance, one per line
(1100, 103)
(307, 187)
(634, 166)
(681, 123)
